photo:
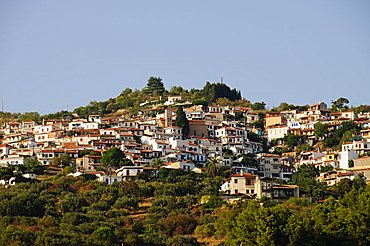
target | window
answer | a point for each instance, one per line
(235, 181)
(236, 191)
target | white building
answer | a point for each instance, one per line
(12, 159)
(244, 183)
(346, 156)
(129, 171)
(82, 124)
(44, 129)
(172, 99)
(109, 179)
(95, 118)
(277, 132)
(360, 147)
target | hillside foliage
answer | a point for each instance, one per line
(168, 211)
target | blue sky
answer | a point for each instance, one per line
(70, 52)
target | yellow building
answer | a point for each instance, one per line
(274, 120)
(362, 166)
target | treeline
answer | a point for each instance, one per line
(33, 116)
(154, 93)
(131, 101)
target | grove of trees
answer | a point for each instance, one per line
(180, 208)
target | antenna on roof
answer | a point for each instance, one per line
(222, 80)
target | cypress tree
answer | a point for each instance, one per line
(182, 121)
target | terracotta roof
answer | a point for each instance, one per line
(285, 187)
(246, 175)
(270, 155)
(96, 172)
(146, 151)
(346, 174)
(69, 145)
(7, 146)
(196, 121)
(93, 156)
(362, 158)
(47, 151)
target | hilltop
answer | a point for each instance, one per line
(132, 101)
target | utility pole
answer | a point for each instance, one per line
(2, 105)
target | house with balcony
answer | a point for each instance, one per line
(334, 177)
(267, 187)
(129, 172)
(242, 183)
(362, 166)
(252, 185)
(88, 163)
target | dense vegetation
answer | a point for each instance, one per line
(78, 211)
(295, 222)
(179, 208)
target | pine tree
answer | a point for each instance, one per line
(155, 86)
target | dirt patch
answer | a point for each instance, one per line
(209, 241)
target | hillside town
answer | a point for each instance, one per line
(184, 123)
(239, 138)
